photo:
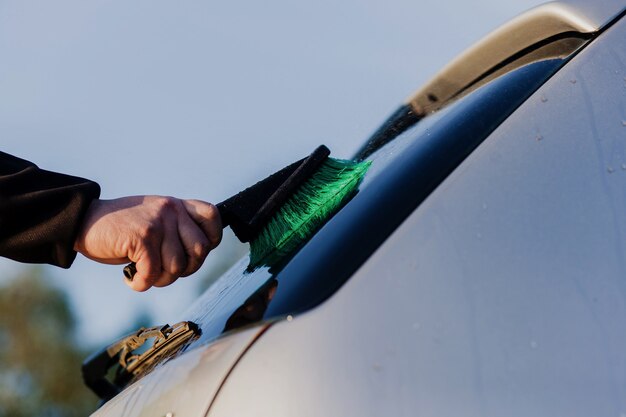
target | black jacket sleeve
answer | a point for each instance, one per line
(40, 212)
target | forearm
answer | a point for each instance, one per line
(40, 212)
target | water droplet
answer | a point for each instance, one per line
(623, 122)
(610, 170)
(624, 167)
(533, 344)
(376, 367)
(573, 81)
(416, 326)
(538, 137)
(479, 235)
(484, 206)
(544, 98)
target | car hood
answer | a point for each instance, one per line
(185, 385)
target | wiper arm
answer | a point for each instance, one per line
(131, 359)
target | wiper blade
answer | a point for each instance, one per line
(132, 357)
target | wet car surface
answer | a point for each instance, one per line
(479, 270)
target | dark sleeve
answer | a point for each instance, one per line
(40, 212)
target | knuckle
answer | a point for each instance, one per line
(147, 230)
(166, 204)
(150, 276)
(178, 269)
(215, 239)
(177, 266)
(212, 213)
(202, 248)
(192, 268)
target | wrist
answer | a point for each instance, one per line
(84, 225)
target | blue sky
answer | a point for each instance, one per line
(200, 99)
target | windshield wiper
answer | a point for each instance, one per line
(133, 356)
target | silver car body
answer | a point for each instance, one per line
(502, 293)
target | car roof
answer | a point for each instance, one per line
(598, 12)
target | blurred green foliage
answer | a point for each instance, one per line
(39, 357)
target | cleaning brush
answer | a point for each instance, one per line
(279, 213)
(314, 202)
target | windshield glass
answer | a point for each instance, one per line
(402, 174)
(241, 296)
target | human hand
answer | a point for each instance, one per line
(166, 237)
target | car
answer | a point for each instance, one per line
(479, 270)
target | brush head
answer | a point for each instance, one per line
(301, 215)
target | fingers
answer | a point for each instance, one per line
(186, 231)
(148, 269)
(207, 217)
(152, 271)
(195, 243)
(173, 256)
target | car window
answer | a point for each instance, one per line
(241, 297)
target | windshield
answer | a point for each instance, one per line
(403, 173)
(241, 296)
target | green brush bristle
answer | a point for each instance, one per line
(317, 199)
